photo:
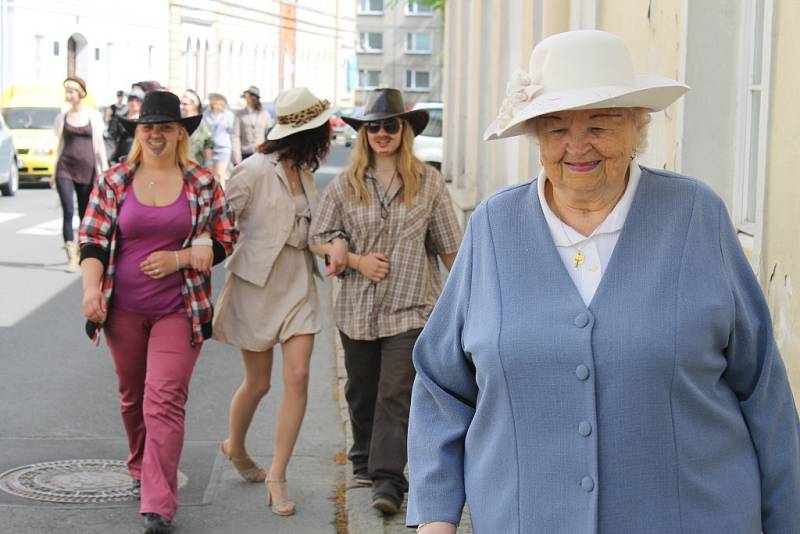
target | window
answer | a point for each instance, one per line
(749, 186)
(418, 80)
(370, 7)
(369, 79)
(370, 42)
(419, 43)
(56, 48)
(97, 54)
(413, 7)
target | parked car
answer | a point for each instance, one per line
(9, 170)
(342, 131)
(428, 144)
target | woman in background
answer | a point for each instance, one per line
(200, 149)
(220, 122)
(80, 159)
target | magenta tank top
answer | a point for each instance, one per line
(143, 230)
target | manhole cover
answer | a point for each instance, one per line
(72, 481)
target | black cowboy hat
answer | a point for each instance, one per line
(386, 104)
(160, 107)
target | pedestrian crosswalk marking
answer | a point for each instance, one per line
(52, 227)
(8, 216)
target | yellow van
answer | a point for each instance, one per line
(30, 111)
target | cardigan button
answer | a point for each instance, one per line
(587, 484)
(581, 320)
(582, 372)
(584, 428)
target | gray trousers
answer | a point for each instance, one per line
(380, 375)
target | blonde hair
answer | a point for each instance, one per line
(181, 151)
(409, 168)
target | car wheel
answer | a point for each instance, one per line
(10, 189)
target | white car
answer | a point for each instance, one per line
(428, 144)
(9, 166)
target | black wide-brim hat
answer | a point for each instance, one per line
(160, 107)
(386, 104)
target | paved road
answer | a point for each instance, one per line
(58, 400)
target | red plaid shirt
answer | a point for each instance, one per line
(210, 213)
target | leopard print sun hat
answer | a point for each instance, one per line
(298, 110)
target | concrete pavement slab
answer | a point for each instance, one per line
(60, 402)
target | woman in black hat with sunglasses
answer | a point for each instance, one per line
(387, 219)
(153, 228)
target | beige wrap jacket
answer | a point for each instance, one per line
(258, 191)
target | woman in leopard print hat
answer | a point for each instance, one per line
(270, 295)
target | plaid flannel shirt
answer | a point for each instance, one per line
(412, 238)
(210, 213)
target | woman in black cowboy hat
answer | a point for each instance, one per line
(153, 228)
(395, 214)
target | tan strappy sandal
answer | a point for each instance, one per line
(247, 468)
(282, 507)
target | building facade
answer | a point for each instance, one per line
(735, 128)
(224, 47)
(206, 45)
(109, 47)
(400, 46)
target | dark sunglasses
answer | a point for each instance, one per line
(390, 126)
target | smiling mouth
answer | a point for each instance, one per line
(583, 166)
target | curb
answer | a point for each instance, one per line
(361, 517)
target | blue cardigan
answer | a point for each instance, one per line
(661, 407)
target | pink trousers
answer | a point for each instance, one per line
(154, 361)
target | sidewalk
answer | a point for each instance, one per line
(361, 517)
(60, 403)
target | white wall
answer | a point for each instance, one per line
(124, 38)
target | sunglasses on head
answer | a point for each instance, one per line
(390, 126)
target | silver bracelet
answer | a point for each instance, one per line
(202, 242)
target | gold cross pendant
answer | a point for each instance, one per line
(577, 259)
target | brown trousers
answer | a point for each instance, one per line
(380, 375)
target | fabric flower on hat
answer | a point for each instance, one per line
(519, 91)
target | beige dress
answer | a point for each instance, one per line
(256, 318)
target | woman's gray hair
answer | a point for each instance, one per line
(641, 121)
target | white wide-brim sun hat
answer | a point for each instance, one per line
(298, 110)
(583, 69)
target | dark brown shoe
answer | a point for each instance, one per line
(385, 503)
(156, 524)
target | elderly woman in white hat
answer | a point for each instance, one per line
(270, 296)
(602, 357)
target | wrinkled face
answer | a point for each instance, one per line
(382, 142)
(587, 150)
(187, 107)
(72, 95)
(159, 140)
(134, 106)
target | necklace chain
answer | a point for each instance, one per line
(388, 189)
(578, 258)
